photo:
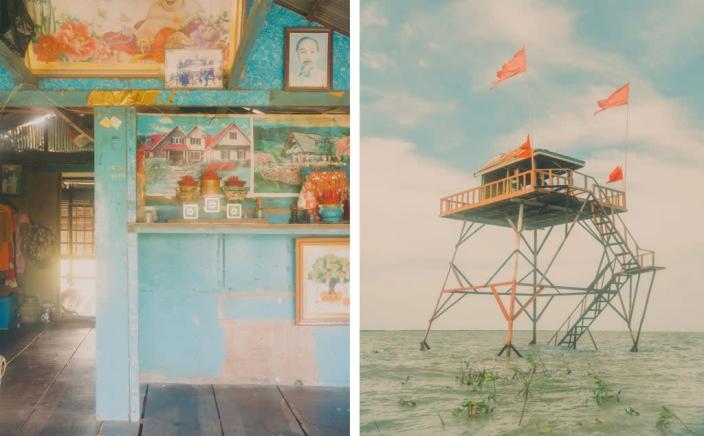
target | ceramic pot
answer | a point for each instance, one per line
(331, 213)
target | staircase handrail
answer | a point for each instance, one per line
(639, 253)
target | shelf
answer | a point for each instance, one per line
(228, 227)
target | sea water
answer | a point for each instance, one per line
(667, 371)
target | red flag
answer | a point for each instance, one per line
(516, 65)
(617, 98)
(524, 150)
(616, 175)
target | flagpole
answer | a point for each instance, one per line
(625, 163)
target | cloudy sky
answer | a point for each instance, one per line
(429, 120)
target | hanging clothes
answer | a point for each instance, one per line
(7, 234)
(7, 229)
(21, 219)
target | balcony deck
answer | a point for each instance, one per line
(550, 197)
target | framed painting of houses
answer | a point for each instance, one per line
(170, 147)
(322, 281)
(127, 37)
(284, 145)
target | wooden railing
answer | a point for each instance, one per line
(569, 181)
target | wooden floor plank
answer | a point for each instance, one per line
(33, 371)
(180, 410)
(254, 411)
(321, 410)
(13, 341)
(68, 407)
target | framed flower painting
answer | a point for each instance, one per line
(127, 37)
(322, 281)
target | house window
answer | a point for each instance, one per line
(178, 139)
(196, 156)
(233, 135)
(195, 141)
(225, 155)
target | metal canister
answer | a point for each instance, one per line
(210, 185)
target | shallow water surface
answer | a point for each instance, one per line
(667, 371)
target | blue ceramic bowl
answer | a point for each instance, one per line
(331, 213)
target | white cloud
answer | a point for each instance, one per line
(376, 61)
(372, 17)
(166, 120)
(403, 107)
(670, 27)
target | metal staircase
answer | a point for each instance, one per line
(625, 259)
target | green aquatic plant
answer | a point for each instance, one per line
(537, 359)
(565, 365)
(408, 377)
(407, 402)
(526, 379)
(475, 378)
(631, 411)
(602, 392)
(471, 409)
(665, 419)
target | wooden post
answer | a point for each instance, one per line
(535, 287)
(512, 302)
(117, 362)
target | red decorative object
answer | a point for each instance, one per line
(330, 197)
(187, 181)
(235, 182)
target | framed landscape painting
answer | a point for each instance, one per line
(170, 147)
(127, 37)
(322, 281)
(284, 145)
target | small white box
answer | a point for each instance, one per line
(234, 210)
(211, 204)
(190, 211)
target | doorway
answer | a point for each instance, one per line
(77, 239)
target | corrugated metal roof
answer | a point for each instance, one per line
(495, 164)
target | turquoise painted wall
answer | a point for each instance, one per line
(208, 302)
(264, 67)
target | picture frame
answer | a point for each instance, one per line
(193, 69)
(190, 211)
(308, 59)
(211, 204)
(234, 210)
(127, 38)
(322, 281)
(11, 179)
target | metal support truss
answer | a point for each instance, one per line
(615, 284)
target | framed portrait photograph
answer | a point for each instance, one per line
(193, 68)
(308, 59)
(10, 179)
(322, 281)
